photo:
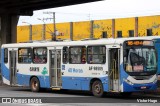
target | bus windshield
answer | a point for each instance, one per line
(140, 61)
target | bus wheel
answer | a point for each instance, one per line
(97, 88)
(34, 84)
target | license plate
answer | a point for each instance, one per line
(143, 87)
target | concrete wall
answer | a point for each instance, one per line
(22, 33)
(8, 30)
(63, 30)
(82, 30)
(101, 26)
(124, 25)
(150, 22)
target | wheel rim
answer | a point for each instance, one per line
(34, 84)
(97, 88)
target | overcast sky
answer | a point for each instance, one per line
(106, 9)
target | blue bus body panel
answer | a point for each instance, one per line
(139, 87)
(4, 70)
(24, 80)
(135, 87)
(81, 83)
(157, 46)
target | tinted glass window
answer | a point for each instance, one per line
(5, 55)
(96, 54)
(65, 55)
(40, 55)
(24, 55)
(77, 55)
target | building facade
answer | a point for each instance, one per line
(120, 27)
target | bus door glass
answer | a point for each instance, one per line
(55, 68)
(13, 67)
(114, 63)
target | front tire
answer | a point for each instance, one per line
(34, 85)
(97, 88)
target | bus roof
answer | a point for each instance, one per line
(103, 41)
(151, 37)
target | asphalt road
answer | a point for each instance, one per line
(23, 95)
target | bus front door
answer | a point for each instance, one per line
(55, 68)
(13, 67)
(114, 63)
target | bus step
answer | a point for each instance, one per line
(113, 91)
(56, 88)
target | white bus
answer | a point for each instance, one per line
(104, 65)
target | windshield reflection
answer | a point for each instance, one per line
(140, 60)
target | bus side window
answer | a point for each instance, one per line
(77, 55)
(5, 55)
(83, 60)
(96, 54)
(40, 55)
(24, 55)
(65, 55)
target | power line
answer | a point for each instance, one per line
(54, 24)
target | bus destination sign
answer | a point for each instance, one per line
(139, 43)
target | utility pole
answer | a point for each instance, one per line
(136, 27)
(54, 24)
(30, 32)
(91, 29)
(71, 30)
(44, 32)
(43, 29)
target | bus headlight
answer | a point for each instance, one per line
(128, 81)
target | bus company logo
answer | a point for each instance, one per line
(6, 100)
(74, 70)
(44, 71)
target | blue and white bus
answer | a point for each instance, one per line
(104, 65)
